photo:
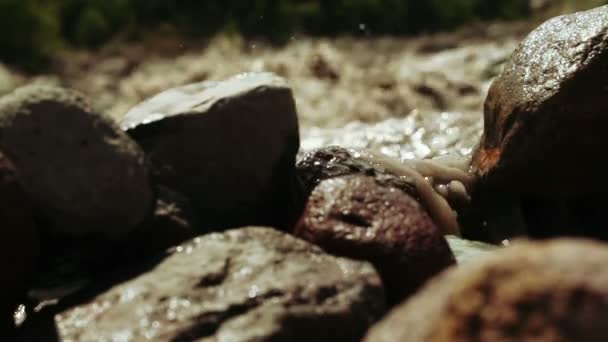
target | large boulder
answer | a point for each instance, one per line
(377, 219)
(19, 245)
(249, 284)
(543, 291)
(83, 174)
(545, 115)
(229, 146)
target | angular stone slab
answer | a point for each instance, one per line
(230, 146)
(532, 291)
(82, 172)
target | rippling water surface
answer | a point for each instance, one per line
(417, 136)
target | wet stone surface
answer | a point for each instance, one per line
(375, 218)
(229, 146)
(242, 285)
(549, 291)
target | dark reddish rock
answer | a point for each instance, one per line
(545, 115)
(229, 146)
(83, 174)
(441, 184)
(378, 220)
(329, 162)
(242, 285)
(20, 245)
(543, 291)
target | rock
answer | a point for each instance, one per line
(229, 146)
(377, 219)
(546, 113)
(330, 162)
(70, 265)
(20, 245)
(543, 291)
(242, 285)
(172, 222)
(441, 184)
(82, 172)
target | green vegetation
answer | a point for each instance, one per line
(35, 29)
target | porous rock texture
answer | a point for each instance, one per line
(377, 219)
(531, 291)
(248, 284)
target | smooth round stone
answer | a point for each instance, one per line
(248, 284)
(545, 114)
(377, 219)
(82, 172)
(229, 146)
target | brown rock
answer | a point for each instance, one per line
(545, 115)
(329, 162)
(377, 219)
(250, 284)
(544, 291)
(229, 146)
(83, 174)
(19, 242)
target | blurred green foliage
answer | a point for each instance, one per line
(35, 29)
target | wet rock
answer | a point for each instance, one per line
(544, 291)
(19, 242)
(242, 285)
(545, 114)
(229, 146)
(377, 219)
(83, 174)
(441, 184)
(330, 162)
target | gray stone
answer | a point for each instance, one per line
(229, 146)
(83, 174)
(531, 291)
(545, 115)
(440, 184)
(250, 284)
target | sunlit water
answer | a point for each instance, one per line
(419, 135)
